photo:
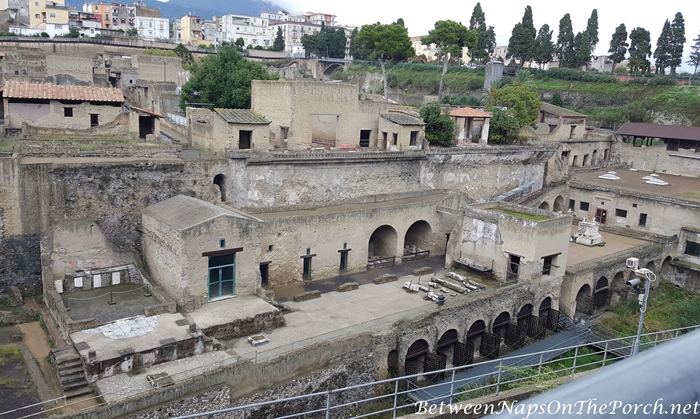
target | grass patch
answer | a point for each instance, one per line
(520, 214)
(7, 144)
(667, 308)
(159, 52)
(9, 353)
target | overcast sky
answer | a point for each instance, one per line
(420, 16)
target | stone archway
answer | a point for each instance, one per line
(500, 324)
(524, 313)
(618, 289)
(544, 206)
(600, 295)
(559, 204)
(382, 246)
(446, 345)
(476, 330)
(220, 181)
(417, 238)
(584, 300)
(415, 357)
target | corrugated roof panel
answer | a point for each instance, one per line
(668, 132)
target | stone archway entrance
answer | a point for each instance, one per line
(381, 248)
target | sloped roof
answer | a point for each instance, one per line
(402, 118)
(241, 116)
(469, 113)
(29, 90)
(183, 212)
(559, 111)
(669, 132)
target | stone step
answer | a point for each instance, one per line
(72, 378)
(63, 348)
(78, 392)
(63, 371)
(66, 362)
(74, 385)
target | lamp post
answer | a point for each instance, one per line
(648, 276)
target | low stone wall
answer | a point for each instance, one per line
(247, 326)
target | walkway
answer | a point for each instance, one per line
(440, 392)
(286, 293)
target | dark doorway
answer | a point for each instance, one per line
(601, 215)
(501, 323)
(94, 120)
(600, 295)
(364, 137)
(513, 268)
(343, 262)
(264, 270)
(584, 300)
(382, 243)
(147, 125)
(307, 269)
(544, 206)
(220, 181)
(475, 332)
(559, 204)
(244, 139)
(642, 220)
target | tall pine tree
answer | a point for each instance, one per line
(565, 43)
(278, 45)
(618, 45)
(582, 50)
(592, 29)
(662, 53)
(522, 41)
(544, 48)
(677, 42)
(694, 59)
(640, 50)
(486, 37)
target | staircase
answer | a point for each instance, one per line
(70, 371)
(134, 274)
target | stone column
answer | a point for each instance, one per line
(485, 132)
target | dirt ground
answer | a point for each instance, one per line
(16, 386)
(36, 347)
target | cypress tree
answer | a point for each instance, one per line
(592, 29)
(662, 53)
(565, 42)
(677, 42)
(640, 50)
(544, 49)
(618, 45)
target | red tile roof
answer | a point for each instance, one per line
(469, 113)
(29, 90)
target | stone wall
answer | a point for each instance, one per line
(657, 159)
(20, 263)
(78, 67)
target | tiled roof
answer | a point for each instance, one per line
(402, 118)
(469, 113)
(29, 90)
(241, 116)
(665, 132)
(559, 111)
(183, 212)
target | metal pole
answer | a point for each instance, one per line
(452, 386)
(396, 397)
(647, 284)
(498, 381)
(573, 370)
(605, 353)
(328, 405)
(539, 367)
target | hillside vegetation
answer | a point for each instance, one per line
(605, 99)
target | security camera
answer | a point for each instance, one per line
(632, 283)
(632, 263)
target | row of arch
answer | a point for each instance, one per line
(455, 348)
(383, 242)
(604, 292)
(558, 205)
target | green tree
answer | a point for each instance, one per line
(439, 126)
(386, 44)
(640, 50)
(618, 45)
(328, 42)
(132, 32)
(520, 99)
(521, 44)
(485, 36)
(565, 43)
(184, 54)
(240, 43)
(592, 29)
(354, 50)
(677, 42)
(400, 22)
(557, 100)
(582, 50)
(662, 53)
(694, 59)
(278, 45)
(503, 126)
(450, 37)
(223, 80)
(544, 48)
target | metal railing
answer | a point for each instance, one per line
(398, 398)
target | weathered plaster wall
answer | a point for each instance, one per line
(657, 159)
(350, 227)
(37, 115)
(79, 67)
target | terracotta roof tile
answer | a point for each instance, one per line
(29, 90)
(469, 113)
(241, 116)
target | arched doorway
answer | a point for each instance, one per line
(667, 272)
(501, 324)
(220, 181)
(524, 313)
(545, 305)
(559, 204)
(475, 333)
(415, 357)
(584, 300)
(381, 248)
(544, 206)
(594, 157)
(417, 240)
(446, 345)
(651, 266)
(600, 296)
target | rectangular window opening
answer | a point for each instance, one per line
(414, 138)
(692, 248)
(620, 213)
(68, 112)
(364, 137)
(94, 120)
(572, 205)
(513, 268)
(583, 206)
